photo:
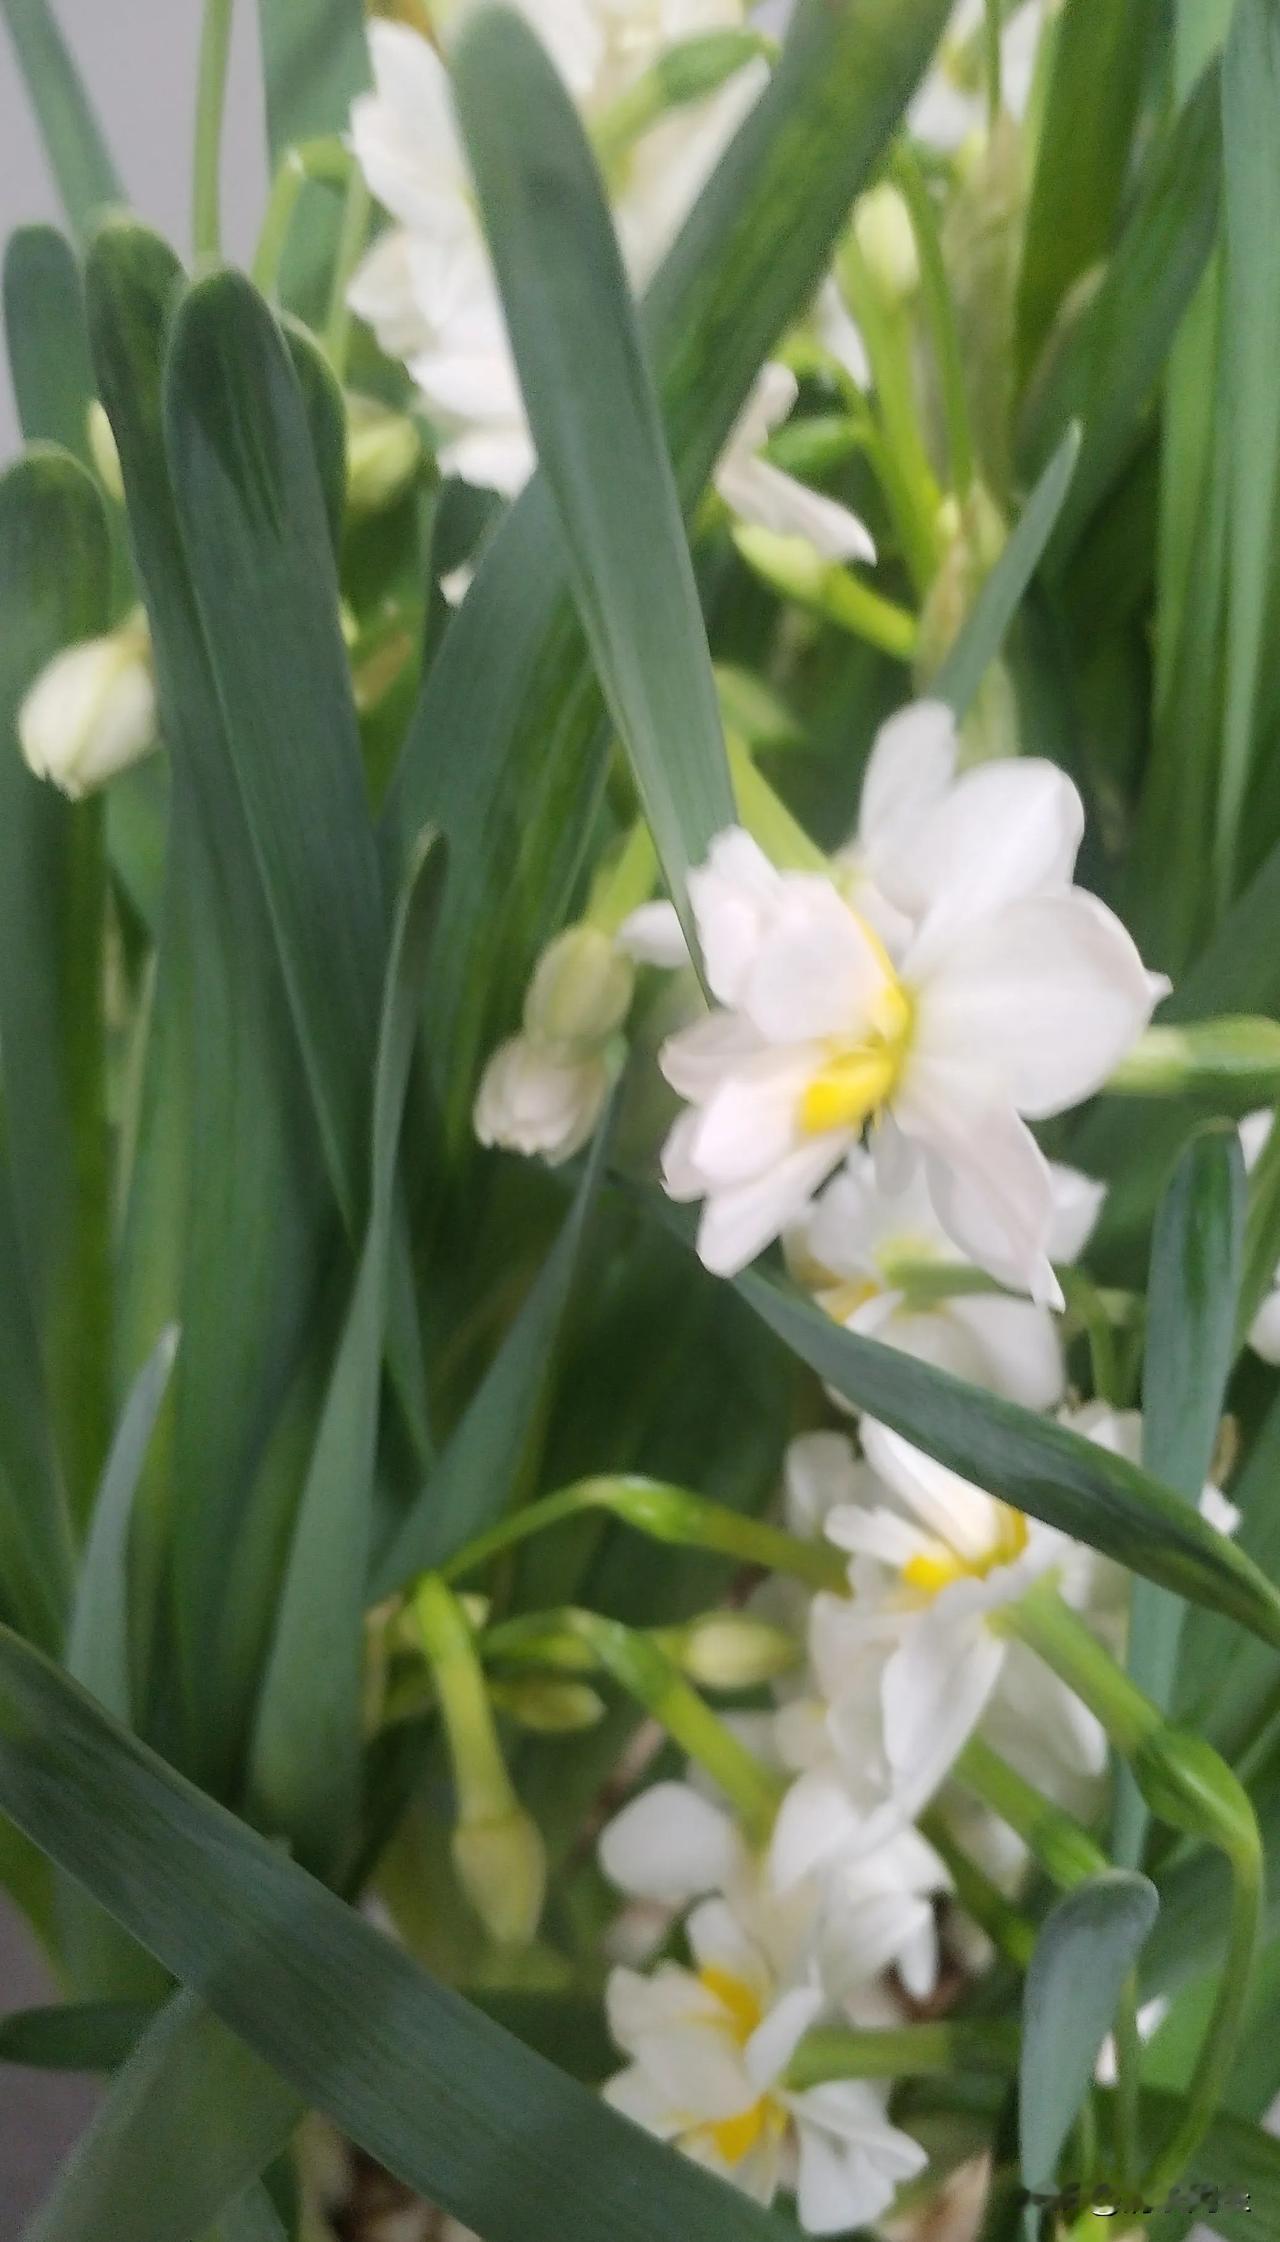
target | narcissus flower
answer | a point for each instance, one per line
(990, 993)
(543, 1090)
(92, 711)
(856, 1250)
(709, 2049)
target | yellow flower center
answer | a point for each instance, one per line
(859, 1077)
(938, 1568)
(736, 2136)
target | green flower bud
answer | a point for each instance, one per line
(103, 452)
(546, 1706)
(501, 1864)
(886, 238)
(1187, 1785)
(384, 453)
(580, 993)
(92, 711)
(732, 1650)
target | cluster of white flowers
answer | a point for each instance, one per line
(427, 287)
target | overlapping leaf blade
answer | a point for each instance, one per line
(45, 333)
(408, 2069)
(1086, 1948)
(997, 603)
(98, 1644)
(78, 156)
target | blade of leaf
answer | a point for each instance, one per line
(443, 2097)
(225, 1226)
(36, 1547)
(251, 2219)
(1028, 1461)
(1250, 344)
(594, 416)
(997, 603)
(314, 62)
(1190, 1347)
(77, 2036)
(507, 749)
(306, 1762)
(97, 1652)
(480, 1465)
(53, 591)
(47, 342)
(1106, 369)
(251, 510)
(1087, 1946)
(78, 157)
(190, 2121)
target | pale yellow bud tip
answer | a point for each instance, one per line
(580, 993)
(384, 453)
(91, 712)
(501, 1865)
(886, 237)
(103, 452)
(731, 1650)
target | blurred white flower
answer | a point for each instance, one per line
(709, 2049)
(427, 287)
(761, 494)
(998, 994)
(952, 100)
(533, 1102)
(1264, 1331)
(91, 712)
(853, 1251)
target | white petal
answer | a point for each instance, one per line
(670, 1845)
(816, 1821)
(653, 935)
(819, 1471)
(1077, 1203)
(739, 1222)
(717, 1940)
(1264, 1331)
(768, 498)
(733, 895)
(935, 1689)
(1254, 1131)
(988, 1179)
(697, 1059)
(911, 767)
(1217, 1511)
(817, 972)
(1003, 831)
(1047, 995)
(1020, 1349)
(635, 2095)
(838, 333)
(775, 2040)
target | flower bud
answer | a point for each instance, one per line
(103, 452)
(580, 993)
(886, 237)
(501, 1864)
(91, 712)
(384, 453)
(1240, 1057)
(1187, 1785)
(732, 1650)
(547, 1706)
(532, 1102)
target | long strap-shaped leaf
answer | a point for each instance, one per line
(507, 746)
(189, 2123)
(443, 2097)
(306, 1754)
(87, 178)
(45, 334)
(1028, 1461)
(594, 416)
(1191, 1325)
(997, 603)
(98, 1641)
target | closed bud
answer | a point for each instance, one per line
(530, 1101)
(384, 453)
(1238, 1057)
(91, 712)
(547, 1706)
(103, 452)
(501, 1864)
(1186, 1784)
(580, 993)
(886, 237)
(732, 1650)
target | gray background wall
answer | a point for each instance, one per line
(139, 58)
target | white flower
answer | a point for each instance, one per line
(1264, 1331)
(952, 99)
(709, 2049)
(427, 287)
(992, 993)
(856, 1244)
(91, 712)
(533, 1102)
(760, 493)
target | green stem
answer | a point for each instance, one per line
(211, 95)
(794, 568)
(1128, 2043)
(1217, 2049)
(942, 317)
(624, 881)
(666, 1513)
(484, 1787)
(1008, 1930)
(1053, 1631)
(766, 818)
(1066, 1851)
(909, 2051)
(910, 488)
(289, 182)
(351, 240)
(1085, 1302)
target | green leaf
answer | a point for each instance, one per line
(478, 1474)
(36, 1548)
(54, 568)
(225, 1223)
(77, 2036)
(313, 62)
(326, 419)
(306, 1765)
(190, 2121)
(1234, 2158)
(1028, 1461)
(408, 2069)
(594, 417)
(251, 2219)
(507, 749)
(1087, 1946)
(78, 157)
(1250, 345)
(997, 603)
(97, 1651)
(1083, 149)
(1107, 365)
(1226, 1681)
(1190, 1347)
(46, 338)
